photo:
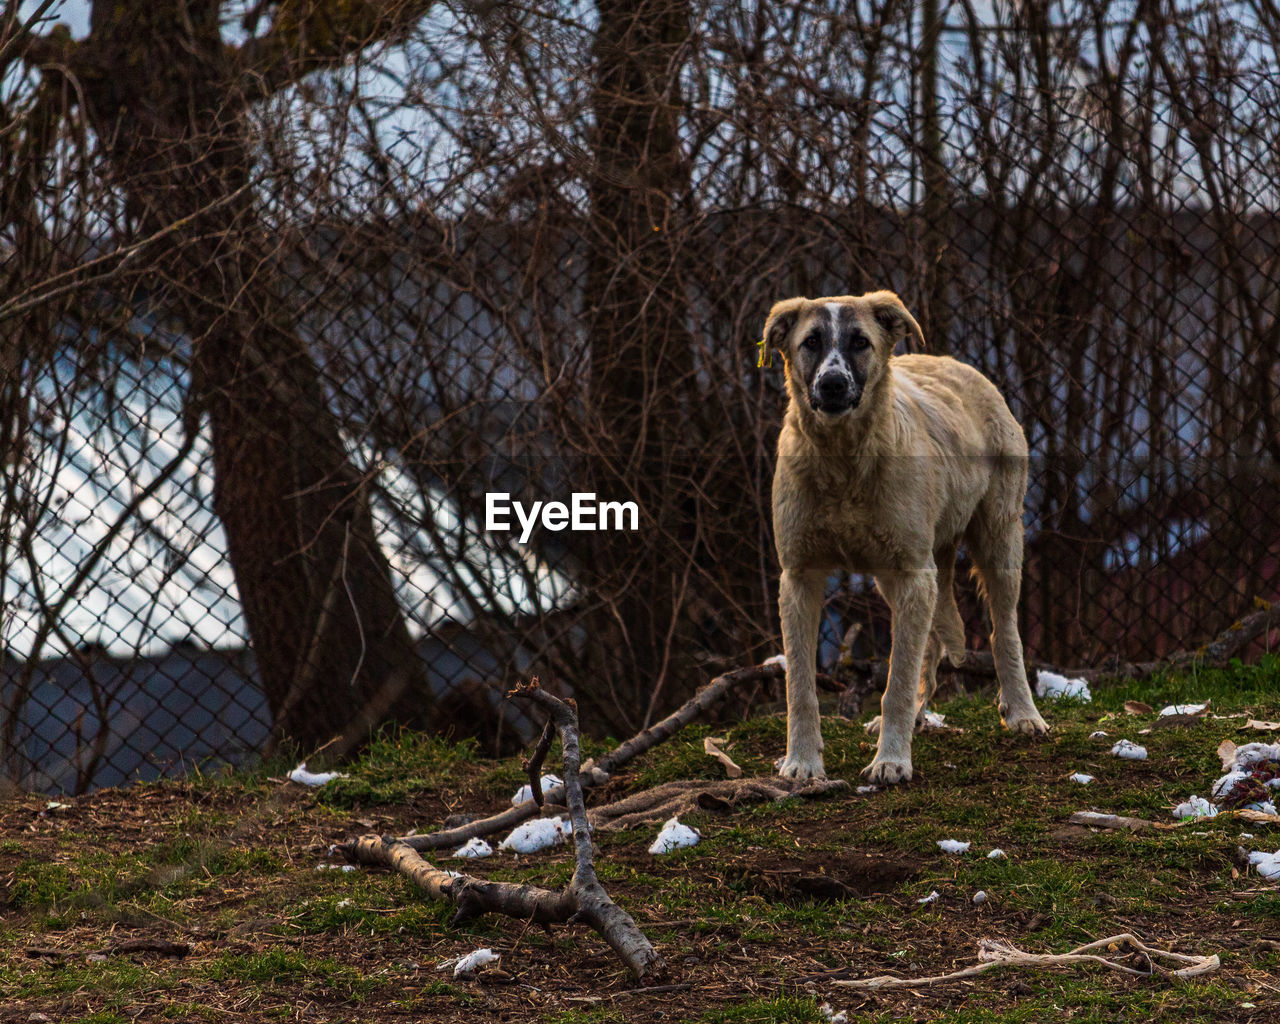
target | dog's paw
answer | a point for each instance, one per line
(1027, 723)
(795, 767)
(887, 773)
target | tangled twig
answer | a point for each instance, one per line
(993, 953)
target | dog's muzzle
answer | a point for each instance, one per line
(834, 393)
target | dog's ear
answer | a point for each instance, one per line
(895, 321)
(782, 318)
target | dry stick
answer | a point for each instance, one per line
(585, 898)
(597, 772)
(997, 953)
(534, 765)
(1214, 655)
(686, 795)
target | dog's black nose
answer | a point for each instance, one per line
(832, 387)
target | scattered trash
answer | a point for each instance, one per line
(1252, 780)
(1268, 864)
(537, 834)
(1100, 820)
(710, 747)
(1055, 687)
(997, 854)
(470, 963)
(1129, 750)
(303, 777)
(828, 1014)
(777, 659)
(933, 897)
(1099, 735)
(953, 846)
(525, 792)
(53, 805)
(1081, 778)
(343, 904)
(1184, 709)
(1253, 723)
(1226, 783)
(474, 848)
(335, 867)
(674, 836)
(980, 896)
(1196, 807)
(864, 790)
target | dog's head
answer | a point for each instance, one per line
(836, 349)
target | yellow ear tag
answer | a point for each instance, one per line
(766, 357)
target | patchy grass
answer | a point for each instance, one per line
(755, 923)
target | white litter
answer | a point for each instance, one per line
(828, 1014)
(864, 790)
(1225, 784)
(674, 836)
(470, 963)
(525, 792)
(343, 904)
(1246, 835)
(953, 846)
(1099, 735)
(1055, 687)
(536, 835)
(777, 659)
(303, 777)
(980, 896)
(1266, 807)
(933, 720)
(1251, 753)
(1130, 751)
(1081, 778)
(474, 847)
(1196, 807)
(1182, 709)
(1268, 864)
(933, 897)
(335, 867)
(997, 854)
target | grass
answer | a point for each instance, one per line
(226, 863)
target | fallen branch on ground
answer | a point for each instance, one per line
(996, 953)
(593, 773)
(672, 799)
(583, 899)
(864, 676)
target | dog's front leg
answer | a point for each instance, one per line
(911, 597)
(800, 608)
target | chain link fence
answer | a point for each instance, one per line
(288, 293)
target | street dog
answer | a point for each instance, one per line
(885, 465)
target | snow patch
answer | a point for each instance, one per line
(674, 836)
(1055, 687)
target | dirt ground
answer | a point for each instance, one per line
(201, 900)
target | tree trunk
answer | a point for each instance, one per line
(641, 386)
(334, 654)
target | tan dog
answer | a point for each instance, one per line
(885, 464)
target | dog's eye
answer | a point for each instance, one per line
(857, 342)
(811, 343)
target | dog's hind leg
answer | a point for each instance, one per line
(800, 608)
(911, 597)
(946, 635)
(995, 544)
